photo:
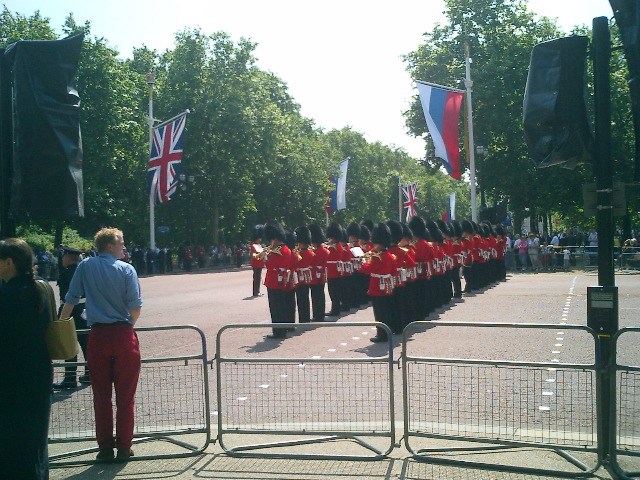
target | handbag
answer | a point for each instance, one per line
(61, 336)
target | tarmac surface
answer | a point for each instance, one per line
(213, 299)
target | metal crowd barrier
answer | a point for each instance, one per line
(304, 400)
(626, 428)
(172, 400)
(499, 403)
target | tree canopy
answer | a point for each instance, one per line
(500, 35)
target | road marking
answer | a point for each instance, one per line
(316, 356)
(284, 375)
(242, 399)
(555, 351)
(331, 350)
(356, 338)
(558, 345)
(547, 394)
(343, 344)
(263, 386)
(544, 408)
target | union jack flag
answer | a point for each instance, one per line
(165, 159)
(409, 194)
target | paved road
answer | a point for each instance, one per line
(212, 300)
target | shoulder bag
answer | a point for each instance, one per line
(61, 336)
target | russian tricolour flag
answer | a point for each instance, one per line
(442, 110)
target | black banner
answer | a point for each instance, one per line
(46, 163)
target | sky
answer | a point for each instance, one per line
(341, 59)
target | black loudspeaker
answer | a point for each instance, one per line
(556, 125)
(627, 13)
(45, 163)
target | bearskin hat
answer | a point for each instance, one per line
(444, 227)
(490, 230)
(406, 232)
(434, 231)
(475, 227)
(457, 228)
(367, 223)
(303, 235)
(290, 240)
(257, 232)
(334, 230)
(345, 235)
(395, 227)
(353, 230)
(381, 235)
(417, 226)
(317, 235)
(365, 233)
(499, 230)
(273, 231)
(466, 226)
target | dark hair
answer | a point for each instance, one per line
(20, 252)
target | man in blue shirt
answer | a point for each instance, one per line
(112, 306)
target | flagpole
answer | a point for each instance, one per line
(152, 213)
(472, 161)
(399, 199)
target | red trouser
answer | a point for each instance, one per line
(113, 355)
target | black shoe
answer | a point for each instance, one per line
(124, 454)
(84, 378)
(377, 339)
(105, 455)
(65, 385)
(273, 336)
(332, 314)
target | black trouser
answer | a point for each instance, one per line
(405, 306)
(290, 299)
(302, 300)
(334, 286)
(257, 276)
(277, 309)
(346, 292)
(384, 312)
(454, 275)
(420, 298)
(318, 302)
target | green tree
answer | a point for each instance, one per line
(500, 35)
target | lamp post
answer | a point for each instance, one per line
(482, 151)
(186, 183)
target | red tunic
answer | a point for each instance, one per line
(255, 262)
(399, 274)
(319, 265)
(277, 265)
(347, 261)
(380, 267)
(501, 244)
(438, 259)
(424, 257)
(335, 256)
(304, 267)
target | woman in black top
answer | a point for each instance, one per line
(25, 403)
